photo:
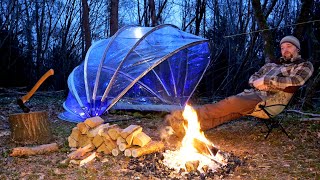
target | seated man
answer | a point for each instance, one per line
(285, 75)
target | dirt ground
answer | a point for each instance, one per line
(276, 157)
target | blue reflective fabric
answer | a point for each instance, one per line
(137, 66)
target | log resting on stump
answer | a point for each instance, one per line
(30, 128)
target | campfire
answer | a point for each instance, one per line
(196, 151)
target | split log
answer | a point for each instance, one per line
(94, 121)
(79, 153)
(104, 131)
(115, 152)
(84, 140)
(28, 151)
(72, 142)
(88, 159)
(83, 128)
(73, 161)
(205, 168)
(104, 149)
(97, 141)
(128, 152)
(93, 132)
(75, 133)
(114, 132)
(111, 144)
(192, 165)
(128, 130)
(141, 139)
(123, 146)
(133, 134)
(30, 128)
(153, 146)
(203, 148)
(120, 140)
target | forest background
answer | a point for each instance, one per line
(36, 35)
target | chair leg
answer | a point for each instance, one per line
(284, 131)
(275, 124)
(270, 124)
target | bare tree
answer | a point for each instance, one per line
(114, 16)
(267, 36)
(200, 12)
(86, 25)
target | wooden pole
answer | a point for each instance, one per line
(30, 128)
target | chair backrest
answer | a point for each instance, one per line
(272, 106)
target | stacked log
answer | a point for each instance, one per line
(94, 134)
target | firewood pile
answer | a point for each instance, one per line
(94, 136)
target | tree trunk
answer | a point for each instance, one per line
(114, 16)
(152, 9)
(266, 34)
(30, 128)
(200, 11)
(86, 25)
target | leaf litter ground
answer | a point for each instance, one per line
(254, 157)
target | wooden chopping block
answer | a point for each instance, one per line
(30, 128)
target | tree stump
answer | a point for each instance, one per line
(30, 128)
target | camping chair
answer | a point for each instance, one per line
(268, 111)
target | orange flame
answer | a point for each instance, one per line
(188, 151)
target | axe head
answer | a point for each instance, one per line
(23, 106)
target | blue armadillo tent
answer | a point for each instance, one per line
(146, 68)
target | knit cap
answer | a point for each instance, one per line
(291, 39)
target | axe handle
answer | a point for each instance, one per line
(37, 85)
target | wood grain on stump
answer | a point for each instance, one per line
(30, 128)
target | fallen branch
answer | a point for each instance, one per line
(303, 113)
(28, 151)
(310, 119)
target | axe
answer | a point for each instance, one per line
(26, 97)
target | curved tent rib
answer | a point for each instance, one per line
(137, 43)
(155, 66)
(144, 73)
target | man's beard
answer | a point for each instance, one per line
(287, 56)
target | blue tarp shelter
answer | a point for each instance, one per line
(146, 68)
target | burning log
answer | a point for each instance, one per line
(192, 165)
(141, 139)
(28, 151)
(94, 121)
(151, 147)
(203, 148)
